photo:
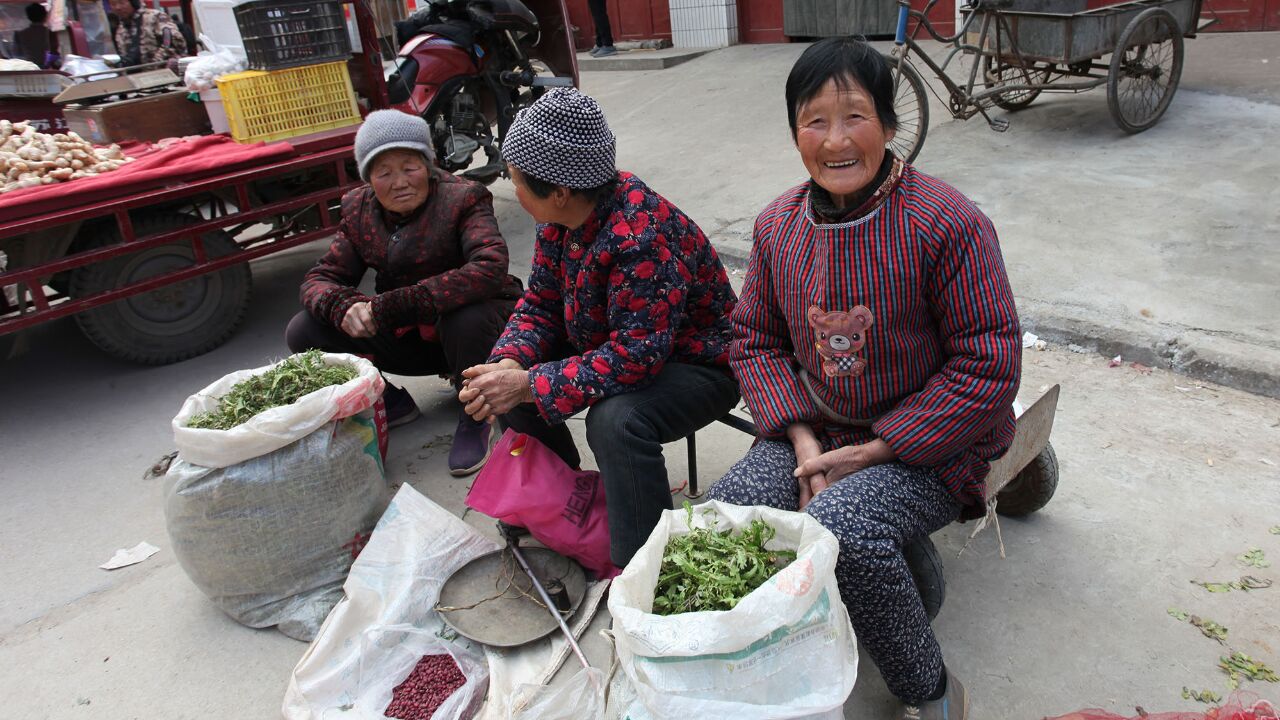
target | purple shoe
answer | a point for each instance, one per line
(401, 409)
(471, 446)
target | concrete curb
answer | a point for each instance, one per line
(640, 59)
(1195, 352)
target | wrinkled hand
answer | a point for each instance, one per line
(807, 448)
(359, 322)
(840, 463)
(494, 389)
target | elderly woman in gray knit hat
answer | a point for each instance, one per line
(441, 290)
(626, 315)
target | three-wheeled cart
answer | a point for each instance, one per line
(1014, 50)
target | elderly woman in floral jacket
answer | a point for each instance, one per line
(441, 293)
(626, 314)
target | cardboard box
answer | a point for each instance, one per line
(148, 117)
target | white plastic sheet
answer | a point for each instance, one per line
(393, 586)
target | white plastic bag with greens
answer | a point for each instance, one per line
(265, 518)
(756, 660)
(363, 651)
(269, 540)
(276, 427)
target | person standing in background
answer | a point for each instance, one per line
(32, 41)
(146, 36)
(604, 33)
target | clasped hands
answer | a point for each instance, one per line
(494, 389)
(817, 470)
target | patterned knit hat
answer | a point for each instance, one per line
(388, 130)
(562, 139)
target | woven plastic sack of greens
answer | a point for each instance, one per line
(738, 662)
(266, 515)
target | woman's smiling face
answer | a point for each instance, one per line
(840, 139)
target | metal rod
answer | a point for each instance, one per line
(546, 599)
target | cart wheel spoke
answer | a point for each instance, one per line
(1145, 68)
(995, 74)
(911, 103)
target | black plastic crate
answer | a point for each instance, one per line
(280, 34)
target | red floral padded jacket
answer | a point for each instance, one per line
(636, 286)
(447, 255)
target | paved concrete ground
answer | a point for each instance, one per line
(1163, 478)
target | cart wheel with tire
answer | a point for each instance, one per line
(998, 72)
(173, 322)
(1020, 483)
(1145, 69)
(911, 103)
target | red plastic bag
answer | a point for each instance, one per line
(526, 484)
(1240, 706)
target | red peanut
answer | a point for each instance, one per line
(432, 681)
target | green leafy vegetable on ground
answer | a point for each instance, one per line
(1245, 583)
(1205, 696)
(709, 569)
(1239, 665)
(1254, 558)
(1210, 629)
(281, 385)
(1275, 530)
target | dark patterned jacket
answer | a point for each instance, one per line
(149, 36)
(447, 255)
(637, 286)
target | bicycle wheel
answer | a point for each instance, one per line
(911, 101)
(996, 74)
(1145, 69)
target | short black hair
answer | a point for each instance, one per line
(36, 13)
(543, 189)
(845, 60)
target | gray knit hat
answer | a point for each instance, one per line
(387, 130)
(563, 139)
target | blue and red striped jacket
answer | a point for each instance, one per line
(903, 320)
(611, 302)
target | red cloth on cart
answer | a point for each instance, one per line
(154, 167)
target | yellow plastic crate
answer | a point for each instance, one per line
(279, 104)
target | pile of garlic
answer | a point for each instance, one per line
(29, 158)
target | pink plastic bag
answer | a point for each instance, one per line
(526, 484)
(1240, 706)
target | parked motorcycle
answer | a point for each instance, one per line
(466, 66)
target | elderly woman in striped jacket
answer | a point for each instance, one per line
(877, 344)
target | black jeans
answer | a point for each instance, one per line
(600, 18)
(464, 337)
(626, 433)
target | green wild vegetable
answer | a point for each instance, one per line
(281, 385)
(1254, 558)
(1177, 614)
(1245, 583)
(709, 569)
(1205, 696)
(1210, 629)
(1239, 665)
